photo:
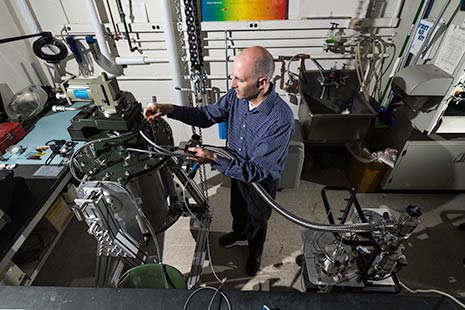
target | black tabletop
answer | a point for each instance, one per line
(107, 298)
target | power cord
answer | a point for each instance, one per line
(186, 304)
(461, 304)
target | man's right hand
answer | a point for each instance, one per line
(155, 110)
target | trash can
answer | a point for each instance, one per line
(365, 177)
(150, 276)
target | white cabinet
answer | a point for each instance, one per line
(428, 165)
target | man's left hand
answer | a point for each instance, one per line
(202, 156)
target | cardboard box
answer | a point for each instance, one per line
(13, 275)
(59, 214)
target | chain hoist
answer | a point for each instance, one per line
(197, 73)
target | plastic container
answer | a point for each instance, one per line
(365, 177)
(10, 133)
(223, 130)
(150, 276)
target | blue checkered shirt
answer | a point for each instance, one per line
(258, 139)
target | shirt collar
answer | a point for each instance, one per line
(268, 103)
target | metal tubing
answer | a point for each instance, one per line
(101, 40)
(172, 51)
(356, 228)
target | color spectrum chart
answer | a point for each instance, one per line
(233, 10)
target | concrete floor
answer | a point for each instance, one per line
(435, 251)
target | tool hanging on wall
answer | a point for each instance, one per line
(46, 47)
(82, 57)
(122, 15)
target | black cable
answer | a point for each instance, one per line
(48, 40)
(12, 39)
(390, 61)
(126, 28)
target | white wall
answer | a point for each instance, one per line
(149, 80)
(15, 57)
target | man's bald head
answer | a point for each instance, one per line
(259, 60)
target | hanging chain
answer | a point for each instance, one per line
(198, 77)
(193, 33)
(182, 39)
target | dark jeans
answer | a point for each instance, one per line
(250, 213)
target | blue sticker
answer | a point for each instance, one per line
(81, 93)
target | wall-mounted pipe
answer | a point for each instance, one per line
(398, 9)
(295, 36)
(139, 60)
(173, 54)
(108, 64)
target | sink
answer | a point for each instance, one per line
(321, 113)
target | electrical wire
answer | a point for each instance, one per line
(458, 302)
(361, 227)
(113, 236)
(223, 281)
(157, 247)
(219, 151)
(208, 241)
(392, 59)
(161, 150)
(140, 211)
(374, 67)
(158, 153)
(379, 70)
(79, 150)
(186, 304)
(214, 295)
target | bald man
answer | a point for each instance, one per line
(260, 126)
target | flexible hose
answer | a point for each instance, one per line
(355, 228)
